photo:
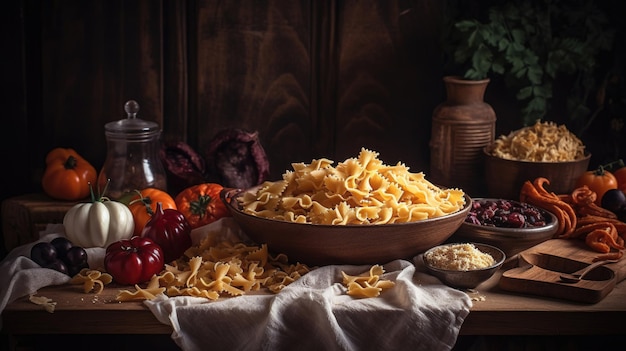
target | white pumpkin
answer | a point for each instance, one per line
(98, 223)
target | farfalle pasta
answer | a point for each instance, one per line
(367, 284)
(212, 270)
(360, 190)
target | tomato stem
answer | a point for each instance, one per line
(146, 201)
(612, 166)
(70, 163)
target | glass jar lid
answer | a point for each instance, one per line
(131, 127)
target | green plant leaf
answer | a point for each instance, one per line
(534, 110)
(519, 36)
(481, 61)
(503, 44)
(467, 25)
(544, 91)
(535, 74)
(497, 68)
(471, 73)
(524, 93)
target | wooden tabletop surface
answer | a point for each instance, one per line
(495, 312)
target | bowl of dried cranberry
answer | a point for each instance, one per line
(509, 225)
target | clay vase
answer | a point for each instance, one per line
(461, 127)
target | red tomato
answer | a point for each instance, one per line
(170, 230)
(133, 261)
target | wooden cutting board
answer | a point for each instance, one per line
(538, 269)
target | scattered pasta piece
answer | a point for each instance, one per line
(139, 294)
(359, 190)
(92, 280)
(43, 301)
(225, 269)
(475, 295)
(367, 284)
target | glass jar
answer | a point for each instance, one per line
(132, 161)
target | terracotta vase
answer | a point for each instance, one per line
(461, 127)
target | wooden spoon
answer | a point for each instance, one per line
(580, 274)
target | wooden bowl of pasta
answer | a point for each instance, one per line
(545, 149)
(324, 244)
(505, 177)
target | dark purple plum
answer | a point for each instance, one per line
(57, 265)
(614, 200)
(43, 253)
(62, 245)
(76, 256)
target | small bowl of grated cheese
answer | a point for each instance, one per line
(463, 265)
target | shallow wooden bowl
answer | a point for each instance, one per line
(317, 245)
(505, 177)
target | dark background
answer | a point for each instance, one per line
(314, 78)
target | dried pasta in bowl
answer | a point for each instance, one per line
(359, 190)
(541, 142)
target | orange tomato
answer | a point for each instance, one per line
(599, 181)
(201, 204)
(67, 175)
(144, 203)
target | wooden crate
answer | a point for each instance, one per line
(24, 216)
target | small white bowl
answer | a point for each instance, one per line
(471, 278)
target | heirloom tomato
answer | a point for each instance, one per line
(67, 175)
(133, 261)
(143, 204)
(201, 204)
(598, 181)
(170, 230)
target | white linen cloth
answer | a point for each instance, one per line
(313, 313)
(20, 276)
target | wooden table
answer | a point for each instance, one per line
(500, 313)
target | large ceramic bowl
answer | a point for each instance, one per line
(318, 245)
(505, 177)
(467, 279)
(510, 240)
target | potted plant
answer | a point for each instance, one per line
(538, 48)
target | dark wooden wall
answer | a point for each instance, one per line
(314, 78)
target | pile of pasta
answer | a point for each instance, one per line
(361, 190)
(212, 270)
(541, 142)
